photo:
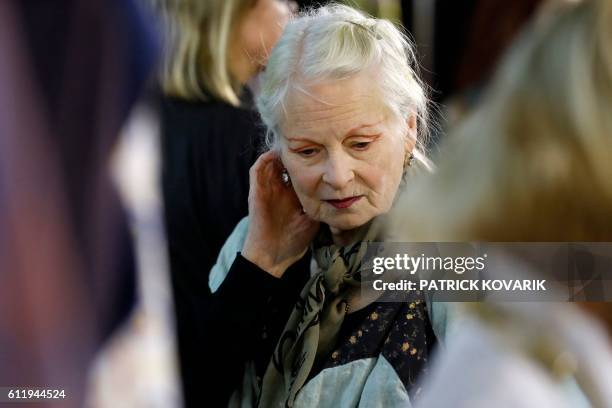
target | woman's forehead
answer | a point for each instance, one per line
(336, 107)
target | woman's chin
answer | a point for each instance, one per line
(346, 222)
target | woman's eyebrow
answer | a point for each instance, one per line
(366, 125)
(349, 133)
(299, 139)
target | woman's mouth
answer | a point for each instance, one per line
(344, 203)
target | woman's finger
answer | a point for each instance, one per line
(271, 174)
(257, 172)
(261, 162)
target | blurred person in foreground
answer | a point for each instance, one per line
(346, 116)
(532, 163)
(210, 135)
(70, 72)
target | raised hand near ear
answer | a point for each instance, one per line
(279, 232)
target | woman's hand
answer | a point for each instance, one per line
(279, 232)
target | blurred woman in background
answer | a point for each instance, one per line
(210, 135)
(532, 163)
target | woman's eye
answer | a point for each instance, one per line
(307, 152)
(361, 145)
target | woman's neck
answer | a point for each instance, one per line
(347, 237)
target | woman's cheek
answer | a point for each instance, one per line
(374, 178)
(383, 185)
(305, 183)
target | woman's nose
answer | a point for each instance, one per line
(338, 172)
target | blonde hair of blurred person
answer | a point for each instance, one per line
(216, 46)
(534, 161)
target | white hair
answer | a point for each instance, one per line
(336, 42)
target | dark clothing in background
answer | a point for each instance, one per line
(208, 149)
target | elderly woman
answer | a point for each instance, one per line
(346, 116)
(532, 163)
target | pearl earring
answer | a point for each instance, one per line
(285, 177)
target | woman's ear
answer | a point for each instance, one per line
(411, 133)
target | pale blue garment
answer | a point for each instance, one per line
(226, 257)
(370, 382)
